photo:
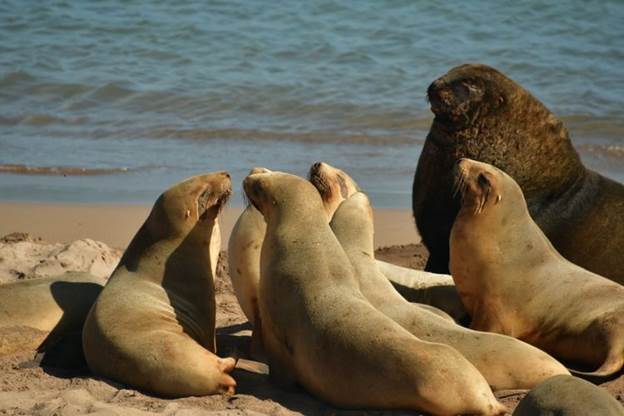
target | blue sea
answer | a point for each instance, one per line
(113, 101)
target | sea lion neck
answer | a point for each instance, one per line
(353, 226)
(147, 250)
(283, 214)
(292, 204)
(484, 245)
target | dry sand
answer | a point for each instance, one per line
(115, 225)
(28, 389)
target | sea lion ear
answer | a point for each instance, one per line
(187, 213)
(483, 180)
(499, 198)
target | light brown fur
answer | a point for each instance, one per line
(435, 292)
(512, 280)
(505, 362)
(319, 330)
(153, 325)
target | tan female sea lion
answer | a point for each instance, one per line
(319, 330)
(248, 233)
(512, 280)
(244, 256)
(153, 325)
(483, 115)
(505, 362)
(36, 313)
(435, 290)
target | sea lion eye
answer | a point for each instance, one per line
(256, 188)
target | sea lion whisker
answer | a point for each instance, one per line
(485, 198)
(458, 186)
(223, 200)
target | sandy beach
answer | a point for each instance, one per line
(115, 225)
(48, 239)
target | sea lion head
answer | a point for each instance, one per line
(272, 190)
(194, 202)
(253, 171)
(333, 184)
(483, 115)
(187, 211)
(468, 92)
(485, 189)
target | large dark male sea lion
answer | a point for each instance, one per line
(513, 281)
(153, 325)
(318, 328)
(483, 115)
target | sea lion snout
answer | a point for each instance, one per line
(333, 184)
(316, 168)
(455, 101)
(216, 191)
(259, 169)
(318, 177)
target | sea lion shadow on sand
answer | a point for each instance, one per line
(257, 384)
(295, 398)
(230, 342)
(60, 354)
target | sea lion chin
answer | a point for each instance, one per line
(483, 115)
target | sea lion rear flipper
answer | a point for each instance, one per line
(610, 369)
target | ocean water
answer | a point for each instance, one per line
(113, 101)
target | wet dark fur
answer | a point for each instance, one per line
(483, 115)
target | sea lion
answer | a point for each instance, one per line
(244, 256)
(319, 330)
(483, 115)
(436, 290)
(426, 289)
(513, 281)
(568, 396)
(153, 325)
(37, 313)
(505, 362)
(248, 233)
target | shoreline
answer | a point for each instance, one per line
(116, 224)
